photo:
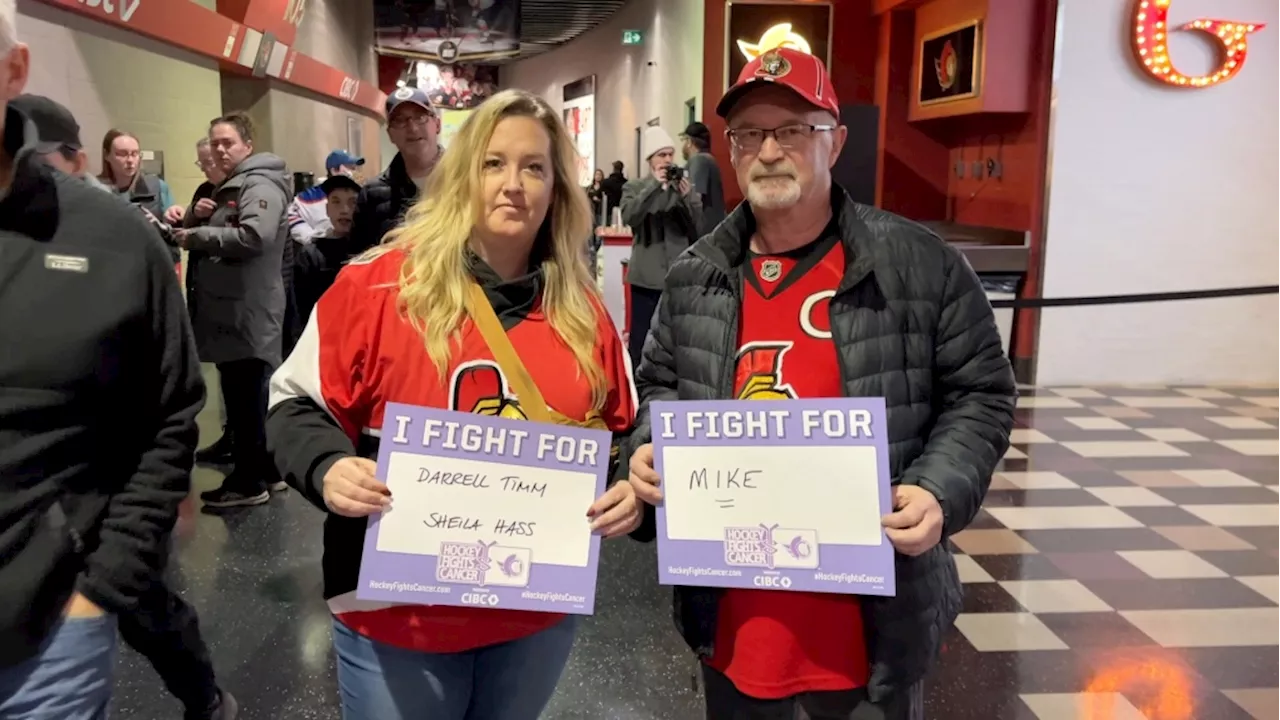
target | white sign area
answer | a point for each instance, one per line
(832, 490)
(436, 499)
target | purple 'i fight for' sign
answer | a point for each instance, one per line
(777, 495)
(486, 512)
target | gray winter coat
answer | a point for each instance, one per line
(235, 288)
(664, 225)
(911, 324)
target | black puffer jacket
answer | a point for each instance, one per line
(382, 204)
(912, 324)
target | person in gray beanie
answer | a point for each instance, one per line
(664, 215)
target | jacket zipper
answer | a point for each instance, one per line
(731, 333)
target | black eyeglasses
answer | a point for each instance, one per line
(789, 137)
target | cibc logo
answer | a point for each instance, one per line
(1150, 39)
(124, 9)
(479, 598)
(771, 581)
(350, 87)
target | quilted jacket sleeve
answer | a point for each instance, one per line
(655, 380)
(975, 384)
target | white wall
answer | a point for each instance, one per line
(629, 91)
(112, 78)
(1157, 189)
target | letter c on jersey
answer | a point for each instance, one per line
(807, 309)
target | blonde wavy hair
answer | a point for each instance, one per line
(436, 231)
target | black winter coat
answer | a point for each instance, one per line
(911, 324)
(382, 204)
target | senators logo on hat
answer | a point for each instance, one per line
(773, 64)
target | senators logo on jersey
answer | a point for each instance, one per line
(759, 372)
(480, 387)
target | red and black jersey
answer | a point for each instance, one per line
(775, 644)
(358, 353)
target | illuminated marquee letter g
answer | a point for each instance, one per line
(1150, 28)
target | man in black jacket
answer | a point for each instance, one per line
(801, 292)
(413, 125)
(99, 390)
(164, 628)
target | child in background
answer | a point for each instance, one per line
(316, 265)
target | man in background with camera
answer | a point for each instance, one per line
(664, 215)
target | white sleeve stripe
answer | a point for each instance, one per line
(299, 375)
(631, 374)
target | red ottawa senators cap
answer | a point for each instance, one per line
(802, 73)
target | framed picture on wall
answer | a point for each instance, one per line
(950, 64)
(579, 108)
(355, 137)
(754, 28)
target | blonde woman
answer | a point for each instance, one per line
(496, 244)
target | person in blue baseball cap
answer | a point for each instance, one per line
(308, 213)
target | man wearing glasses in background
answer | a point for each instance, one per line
(414, 128)
(803, 293)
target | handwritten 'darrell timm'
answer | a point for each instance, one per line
(446, 499)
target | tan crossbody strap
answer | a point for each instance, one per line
(490, 327)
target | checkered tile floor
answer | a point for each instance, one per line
(1124, 565)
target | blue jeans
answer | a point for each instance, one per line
(69, 679)
(510, 681)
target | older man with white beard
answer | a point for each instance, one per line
(803, 293)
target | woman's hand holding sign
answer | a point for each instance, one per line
(352, 490)
(915, 525)
(643, 477)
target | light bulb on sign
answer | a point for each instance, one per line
(778, 36)
(1150, 44)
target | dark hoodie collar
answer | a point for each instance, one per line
(511, 299)
(728, 246)
(30, 206)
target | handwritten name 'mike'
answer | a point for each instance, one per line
(757, 424)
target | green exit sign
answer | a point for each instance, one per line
(632, 37)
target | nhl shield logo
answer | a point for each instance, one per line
(770, 270)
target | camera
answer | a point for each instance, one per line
(675, 174)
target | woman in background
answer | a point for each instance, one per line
(482, 285)
(595, 192)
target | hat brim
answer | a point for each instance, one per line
(339, 182)
(46, 148)
(737, 92)
(425, 106)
